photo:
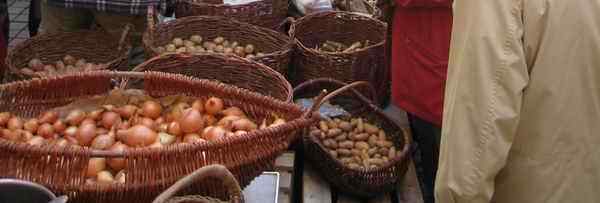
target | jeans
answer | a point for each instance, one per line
(427, 143)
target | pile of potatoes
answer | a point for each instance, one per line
(68, 64)
(196, 44)
(355, 143)
(337, 47)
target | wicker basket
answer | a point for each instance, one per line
(365, 183)
(150, 170)
(215, 171)
(93, 46)
(366, 64)
(264, 13)
(276, 46)
(231, 70)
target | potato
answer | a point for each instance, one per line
(181, 50)
(353, 122)
(377, 156)
(259, 54)
(385, 159)
(188, 43)
(196, 39)
(355, 152)
(234, 44)
(343, 152)
(226, 43)
(315, 133)
(239, 51)
(373, 140)
(171, 48)
(372, 151)
(323, 126)
(353, 166)
(249, 49)
(333, 144)
(361, 145)
(346, 144)
(228, 50)
(346, 126)
(249, 56)
(360, 125)
(200, 48)
(334, 132)
(191, 49)
(383, 150)
(219, 40)
(160, 50)
(333, 153)
(376, 161)
(392, 153)
(371, 129)
(332, 124)
(359, 137)
(381, 135)
(178, 42)
(323, 135)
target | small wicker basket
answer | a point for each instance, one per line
(367, 64)
(214, 171)
(231, 70)
(365, 183)
(150, 170)
(276, 46)
(264, 13)
(93, 46)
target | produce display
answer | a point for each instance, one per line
(196, 44)
(144, 123)
(68, 64)
(355, 142)
(336, 47)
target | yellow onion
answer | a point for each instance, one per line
(151, 109)
(213, 105)
(48, 117)
(117, 163)
(75, 117)
(95, 165)
(31, 125)
(85, 134)
(191, 121)
(233, 111)
(244, 124)
(138, 136)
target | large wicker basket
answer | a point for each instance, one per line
(367, 64)
(365, 183)
(276, 46)
(231, 70)
(150, 170)
(264, 13)
(93, 46)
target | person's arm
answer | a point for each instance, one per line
(424, 3)
(487, 75)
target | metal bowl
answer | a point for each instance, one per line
(14, 190)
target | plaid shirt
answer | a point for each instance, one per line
(132, 7)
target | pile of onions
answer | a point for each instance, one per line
(147, 124)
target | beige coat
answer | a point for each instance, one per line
(522, 109)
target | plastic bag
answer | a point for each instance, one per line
(312, 6)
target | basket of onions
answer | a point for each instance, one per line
(219, 35)
(79, 137)
(231, 70)
(65, 52)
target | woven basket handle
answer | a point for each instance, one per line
(286, 21)
(371, 90)
(217, 171)
(320, 99)
(126, 31)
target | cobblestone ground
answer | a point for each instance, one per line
(18, 11)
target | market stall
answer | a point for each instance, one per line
(236, 100)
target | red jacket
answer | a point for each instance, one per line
(420, 46)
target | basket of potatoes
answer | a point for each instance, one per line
(218, 35)
(78, 136)
(65, 52)
(355, 146)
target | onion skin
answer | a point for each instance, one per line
(48, 117)
(75, 117)
(198, 105)
(36, 141)
(60, 142)
(59, 126)
(31, 125)
(46, 130)
(127, 111)
(148, 122)
(85, 134)
(138, 136)
(103, 141)
(105, 177)
(166, 139)
(71, 131)
(124, 125)
(244, 124)
(176, 112)
(25, 136)
(214, 133)
(109, 119)
(209, 119)
(193, 138)
(151, 109)
(227, 121)
(240, 133)
(12, 135)
(117, 163)
(191, 121)
(15, 123)
(213, 105)
(174, 129)
(233, 111)
(95, 165)
(88, 121)
(4, 116)
(120, 177)
(95, 115)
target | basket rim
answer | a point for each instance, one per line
(328, 14)
(287, 48)
(148, 152)
(35, 40)
(178, 56)
(379, 113)
(222, 4)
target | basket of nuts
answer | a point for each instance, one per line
(360, 151)
(218, 35)
(79, 137)
(66, 52)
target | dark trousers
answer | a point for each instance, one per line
(427, 146)
(35, 17)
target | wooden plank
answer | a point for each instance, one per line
(315, 189)
(285, 162)
(409, 190)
